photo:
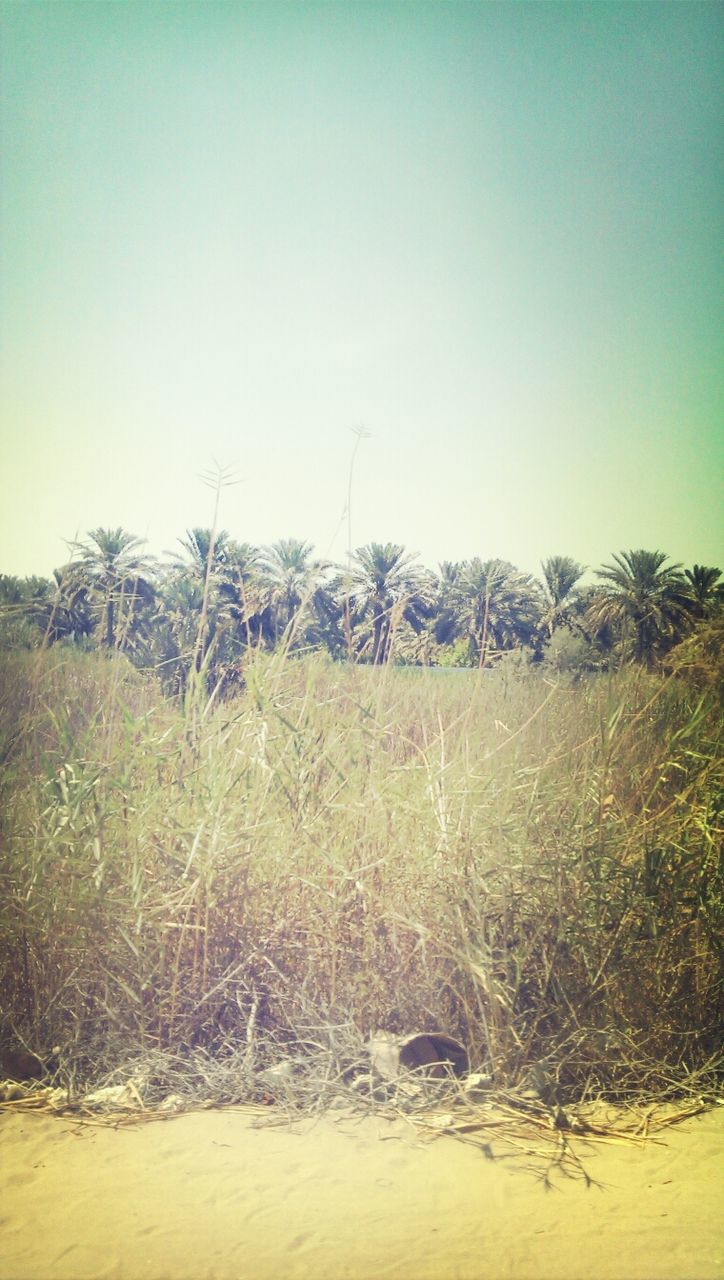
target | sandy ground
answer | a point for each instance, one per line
(211, 1195)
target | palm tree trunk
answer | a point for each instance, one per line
(110, 624)
(348, 627)
(378, 646)
(386, 639)
(484, 634)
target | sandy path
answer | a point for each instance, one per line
(210, 1196)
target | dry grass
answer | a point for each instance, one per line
(198, 896)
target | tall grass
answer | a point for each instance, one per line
(532, 867)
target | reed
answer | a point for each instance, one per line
(530, 866)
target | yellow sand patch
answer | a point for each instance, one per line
(216, 1195)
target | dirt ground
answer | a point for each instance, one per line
(216, 1195)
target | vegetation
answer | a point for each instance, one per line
(531, 866)
(217, 602)
(223, 847)
(646, 600)
(561, 592)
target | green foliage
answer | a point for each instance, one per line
(561, 575)
(646, 599)
(208, 610)
(494, 605)
(386, 587)
(706, 589)
(114, 578)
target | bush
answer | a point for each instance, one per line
(530, 867)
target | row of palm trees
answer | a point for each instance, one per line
(216, 599)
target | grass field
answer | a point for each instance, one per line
(528, 865)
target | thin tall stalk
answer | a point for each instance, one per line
(360, 433)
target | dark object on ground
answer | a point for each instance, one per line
(438, 1053)
(21, 1064)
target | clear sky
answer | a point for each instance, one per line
(488, 233)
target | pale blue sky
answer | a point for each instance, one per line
(491, 234)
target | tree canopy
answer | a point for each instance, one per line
(216, 600)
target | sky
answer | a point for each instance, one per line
(487, 235)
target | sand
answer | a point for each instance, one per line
(211, 1195)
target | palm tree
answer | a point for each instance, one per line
(207, 553)
(706, 589)
(446, 624)
(11, 590)
(646, 600)
(117, 579)
(292, 577)
(386, 585)
(176, 625)
(226, 596)
(497, 606)
(244, 596)
(66, 611)
(60, 609)
(449, 573)
(205, 550)
(562, 575)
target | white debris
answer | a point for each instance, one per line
(172, 1102)
(10, 1090)
(476, 1082)
(121, 1097)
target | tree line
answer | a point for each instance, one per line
(206, 607)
